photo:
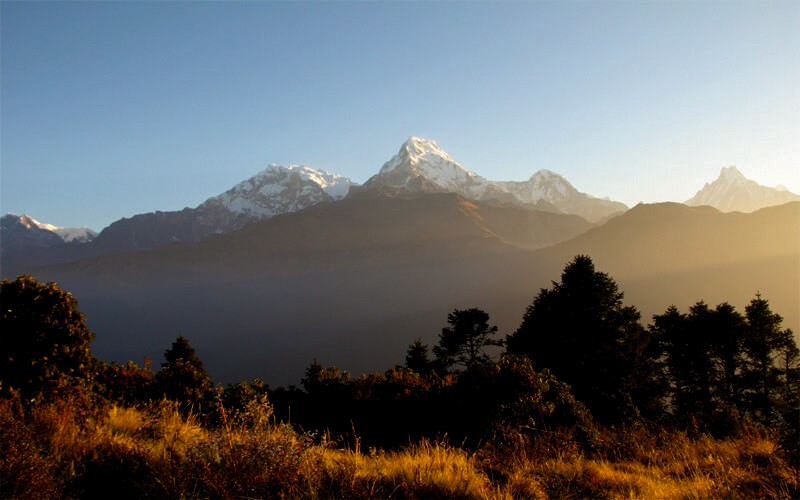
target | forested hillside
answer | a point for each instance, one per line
(582, 399)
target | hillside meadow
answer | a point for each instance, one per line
(56, 450)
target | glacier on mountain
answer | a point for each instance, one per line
(280, 189)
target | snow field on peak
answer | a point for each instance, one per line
(29, 223)
(278, 189)
(424, 158)
(67, 234)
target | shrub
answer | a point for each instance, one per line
(44, 340)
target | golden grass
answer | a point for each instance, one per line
(427, 470)
(746, 467)
(181, 458)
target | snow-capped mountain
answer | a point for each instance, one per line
(554, 189)
(278, 190)
(421, 165)
(275, 190)
(732, 191)
(18, 232)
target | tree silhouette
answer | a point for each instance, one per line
(319, 380)
(727, 330)
(44, 339)
(702, 351)
(671, 329)
(763, 344)
(182, 376)
(582, 332)
(721, 364)
(417, 358)
(463, 342)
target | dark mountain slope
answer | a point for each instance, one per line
(374, 268)
(353, 283)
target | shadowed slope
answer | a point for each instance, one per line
(353, 283)
(348, 282)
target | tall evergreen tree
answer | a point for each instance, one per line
(699, 352)
(703, 357)
(763, 342)
(182, 376)
(727, 331)
(417, 357)
(582, 332)
(672, 332)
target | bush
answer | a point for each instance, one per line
(44, 340)
(127, 384)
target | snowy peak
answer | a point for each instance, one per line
(422, 166)
(544, 185)
(66, 234)
(548, 187)
(29, 222)
(732, 191)
(22, 232)
(280, 189)
(418, 148)
(731, 174)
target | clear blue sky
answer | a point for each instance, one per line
(112, 109)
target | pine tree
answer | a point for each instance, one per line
(417, 358)
(581, 331)
(726, 338)
(182, 376)
(763, 341)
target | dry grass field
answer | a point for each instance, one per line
(54, 451)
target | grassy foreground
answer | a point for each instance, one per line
(55, 451)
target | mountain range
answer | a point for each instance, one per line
(19, 233)
(352, 283)
(420, 166)
(295, 263)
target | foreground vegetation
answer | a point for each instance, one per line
(581, 401)
(54, 450)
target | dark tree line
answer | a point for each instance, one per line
(579, 355)
(719, 362)
(707, 369)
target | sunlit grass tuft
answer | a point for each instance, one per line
(423, 470)
(158, 451)
(745, 467)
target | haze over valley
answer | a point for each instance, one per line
(296, 263)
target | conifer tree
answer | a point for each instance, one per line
(417, 358)
(726, 337)
(581, 331)
(182, 376)
(763, 342)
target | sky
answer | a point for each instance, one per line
(117, 108)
